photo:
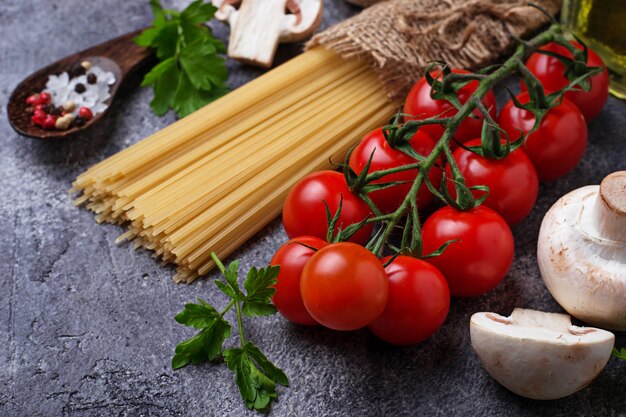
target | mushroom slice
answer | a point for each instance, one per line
(581, 252)
(539, 355)
(257, 26)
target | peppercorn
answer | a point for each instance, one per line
(80, 88)
(77, 71)
(45, 98)
(85, 113)
(49, 122)
(33, 100)
(38, 119)
(79, 121)
(63, 123)
(91, 78)
(69, 106)
(53, 110)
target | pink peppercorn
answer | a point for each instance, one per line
(49, 122)
(44, 98)
(33, 100)
(85, 113)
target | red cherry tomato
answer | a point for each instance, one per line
(344, 286)
(291, 257)
(386, 157)
(418, 304)
(559, 143)
(420, 105)
(304, 213)
(482, 254)
(512, 181)
(551, 72)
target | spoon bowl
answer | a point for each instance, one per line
(121, 56)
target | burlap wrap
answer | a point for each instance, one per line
(399, 37)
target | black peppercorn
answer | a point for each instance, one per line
(77, 71)
(51, 109)
(80, 88)
(79, 121)
(91, 78)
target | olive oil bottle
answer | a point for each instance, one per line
(602, 25)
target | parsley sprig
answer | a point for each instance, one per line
(255, 375)
(621, 353)
(191, 73)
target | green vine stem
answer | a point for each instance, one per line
(486, 82)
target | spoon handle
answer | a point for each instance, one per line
(126, 53)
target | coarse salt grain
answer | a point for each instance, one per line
(61, 88)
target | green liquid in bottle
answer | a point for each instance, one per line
(602, 25)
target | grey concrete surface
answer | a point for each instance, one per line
(87, 329)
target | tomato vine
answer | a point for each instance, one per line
(399, 133)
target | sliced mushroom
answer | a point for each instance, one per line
(257, 26)
(582, 252)
(539, 355)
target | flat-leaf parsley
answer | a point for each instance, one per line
(191, 71)
(255, 375)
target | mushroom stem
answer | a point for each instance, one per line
(254, 39)
(609, 212)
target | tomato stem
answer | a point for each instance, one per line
(486, 82)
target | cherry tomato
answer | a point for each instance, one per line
(291, 257)
(482, 254)
(344, 286)
(512, 181)
(559, 143)
(551, 72)
(386, 157)
(418, 304)
(420, 105)
(304, 213)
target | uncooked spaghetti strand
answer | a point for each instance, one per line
(189, 231)
(221, 171)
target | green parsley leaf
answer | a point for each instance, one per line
(191, 74)
(259, 291)
(257, 386)
(198, 12)
(204, 346)
(255, 375)
(195, 58)
(619, 353)
(232, 273)
(199, 316)
(164, 90)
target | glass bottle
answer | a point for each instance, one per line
(600, 23)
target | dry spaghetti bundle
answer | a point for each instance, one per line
(210, 181)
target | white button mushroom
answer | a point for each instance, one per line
(539, 355)
(257, 26)
(582, 252)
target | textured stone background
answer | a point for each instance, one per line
(86, 327)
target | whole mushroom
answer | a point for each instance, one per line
(257, 26)
(539, 355)
(582, 252)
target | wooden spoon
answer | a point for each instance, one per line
(120, 56)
